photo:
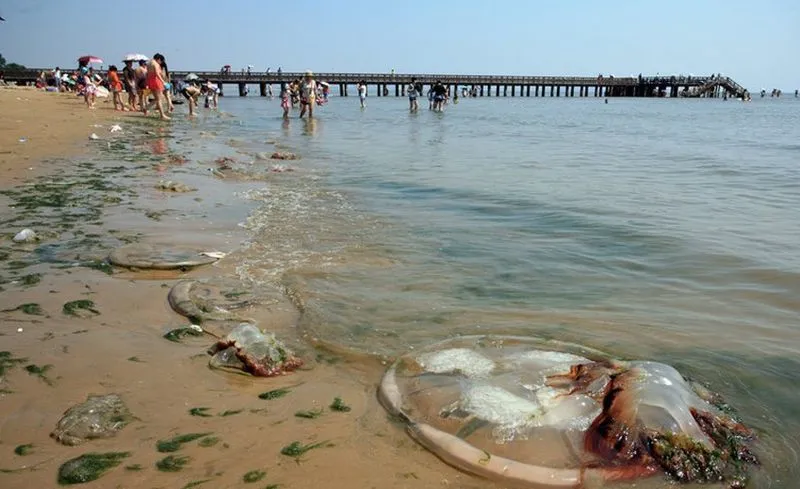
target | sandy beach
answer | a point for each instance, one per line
(121, 349)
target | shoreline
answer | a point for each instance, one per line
(122, 351)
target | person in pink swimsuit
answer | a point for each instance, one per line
(155, 82)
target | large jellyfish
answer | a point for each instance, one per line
(514, 409)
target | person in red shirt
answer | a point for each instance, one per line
(115, 85)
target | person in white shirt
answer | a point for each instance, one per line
(362, 93)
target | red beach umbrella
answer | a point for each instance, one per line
(89, 59)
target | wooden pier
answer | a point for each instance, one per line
(383, 85)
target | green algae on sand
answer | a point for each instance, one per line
(175, 443)
(75, 308)
(172, 463)
(89, 467)
(273, 394)
(253, 476)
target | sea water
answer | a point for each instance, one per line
(658, 229)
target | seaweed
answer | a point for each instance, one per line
(100, 265)
(195, 483)
(29, 308)
(172, 463)
(134, 468)
(8, 362)
(273, 394)
(297, 449)
(311, 414)
(135, 359)
(30, 279)
(230, 412)
(174, 444)
(339, 405)
(40, 372)
(177, 334)
(253, 476)
(89, 467)
(200, 411)
(23, 450)
(71, 308)
(208, 441)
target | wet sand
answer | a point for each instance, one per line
(122, 350)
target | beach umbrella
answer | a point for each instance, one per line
(135, 57)
(191, 77)
(89, 59)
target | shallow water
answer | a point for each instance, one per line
(656, 229)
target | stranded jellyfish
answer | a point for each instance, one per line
(513, 409)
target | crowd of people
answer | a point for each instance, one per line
(306, 92)
(142, 85)
(145, 85)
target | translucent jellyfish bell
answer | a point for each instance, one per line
(548, 414)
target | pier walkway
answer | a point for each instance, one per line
(477, 85)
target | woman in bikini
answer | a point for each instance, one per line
(155, 83)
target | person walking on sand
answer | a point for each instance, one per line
(140, 78)
(155, 83)
(308, 94)
(115, 85)
(89, 88)
(129, 83)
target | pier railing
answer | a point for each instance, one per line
(608, 85)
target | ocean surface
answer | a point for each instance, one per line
(653, 229)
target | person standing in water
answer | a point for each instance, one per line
(362, 93)
(156, 82)
(308, 94)
(439, 95)
(191, 92)
(413, 105)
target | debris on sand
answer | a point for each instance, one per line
(171, 186)
(97, 417)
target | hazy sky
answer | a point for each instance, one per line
(755, 43)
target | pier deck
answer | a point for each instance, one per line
(477, 85)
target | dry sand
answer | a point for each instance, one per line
(122, 351)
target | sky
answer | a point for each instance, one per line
(755, 43)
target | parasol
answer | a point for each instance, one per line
(135, 57)
(324, 84)
(250, 66)
(191, 77)
(89, 59)
(227, 66)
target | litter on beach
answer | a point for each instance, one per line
(115, 128)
